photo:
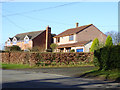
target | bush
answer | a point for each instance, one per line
(95, 45)
(109, 42)
(48, 50)
(37, 49)
(107, 58)
(14, 48)
(53, 46)
(72, 50)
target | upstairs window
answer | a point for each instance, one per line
(58, 39)
(14, 41)
(71, 38)
(8, 42)
(26, 40)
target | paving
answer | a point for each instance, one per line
(32, 79)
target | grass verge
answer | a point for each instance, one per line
(111, 75)
(15, 66)
(21, 66)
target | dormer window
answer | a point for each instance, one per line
(26, 39)
(14, 41)
(8, 42)
(71, 38)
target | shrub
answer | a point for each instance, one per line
(95, 45)
(14, 48)
(53, 46)
(38, 49)
(107, 58)
(109, 42)
(48, 50)
(73, 50)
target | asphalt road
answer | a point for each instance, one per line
(71, 71)
(37, 79)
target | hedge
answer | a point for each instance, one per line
(107, 58)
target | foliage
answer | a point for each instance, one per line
(73, 50)
(106, 75)
(53, 46)
(1, 51)
(13, 48)
(107, 58)
(115, 37)
(37, 49)
(15, 66)
(109, 42)
(95, 45)
(49, 50)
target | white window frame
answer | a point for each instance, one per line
(26, 39)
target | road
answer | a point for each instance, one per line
(31, 79)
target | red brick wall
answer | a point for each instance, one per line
(40, 40)
(34, 58)
(90, 34)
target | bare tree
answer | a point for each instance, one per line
(115, 36)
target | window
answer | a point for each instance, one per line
(58, 39)
(71, 38)
(14, 41)
(26, 40)
(8, 42)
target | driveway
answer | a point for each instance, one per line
(29, 79)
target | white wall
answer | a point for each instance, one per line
(65, 40)
(75, 48)
(88, 46)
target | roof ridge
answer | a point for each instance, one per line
(70, 31)
(29, 32)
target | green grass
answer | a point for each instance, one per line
(14, 66)
(21, 66)
(113, 75)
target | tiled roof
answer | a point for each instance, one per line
(73, 30)
(82, 43)
(31, 35)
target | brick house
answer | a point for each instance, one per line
(79, 38)
(31, 39)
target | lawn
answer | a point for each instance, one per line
(112, 75)
(23, 66)
(14, 66)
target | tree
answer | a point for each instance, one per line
(115, 36)
(95, 45)
(53, 46)
(109, 41)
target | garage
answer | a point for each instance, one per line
(80, 50)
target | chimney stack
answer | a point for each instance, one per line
(77, 24)
(48, 37)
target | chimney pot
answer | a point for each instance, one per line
(77, 24)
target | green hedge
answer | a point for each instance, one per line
(107, 58)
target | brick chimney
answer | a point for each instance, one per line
(77, 24)
(48, 37)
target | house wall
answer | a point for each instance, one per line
(79, 47)
(90, 33)
(65, 40)
(40, 40)
(25, 46)
(88, 46)
(22, 45)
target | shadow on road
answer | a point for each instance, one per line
(65, 82)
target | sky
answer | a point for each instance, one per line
(21, 17)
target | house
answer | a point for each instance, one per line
(31, 39)
(79, 38)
